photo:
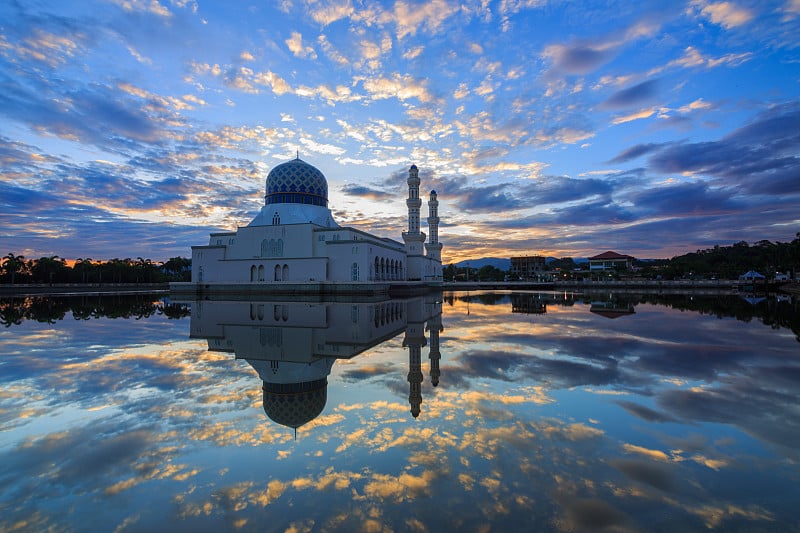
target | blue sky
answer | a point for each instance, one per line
(133, 128)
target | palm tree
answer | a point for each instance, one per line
(83, 266)
(13, 264)
(46, 269)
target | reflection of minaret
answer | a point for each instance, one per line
(435, 327)
(415, 340)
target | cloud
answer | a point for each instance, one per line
(726, 14)
(578, 58)
(296, 46)
(760, 158)
(636, 95)
(362, 191)
(402, 87)
(638, 115)
(635, 152)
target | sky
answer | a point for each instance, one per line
(134, 128)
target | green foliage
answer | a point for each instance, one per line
(729, 262)
(15, 269)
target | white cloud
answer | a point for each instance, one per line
(144, 6)
(644, 113)
(397, 86)
(295, 44)
(320, 148)
(332, 53)
(726, 14)
(430, 16)
(331, 11)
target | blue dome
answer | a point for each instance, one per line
(296, 182)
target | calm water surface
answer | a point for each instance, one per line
(465, 411)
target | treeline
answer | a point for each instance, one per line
(54, 269)
(721, 262)
(730, 262)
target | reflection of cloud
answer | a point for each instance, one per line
(715, 515)
(656, 455)
(652, 474)
(645, 413)
(589, 514)
(400, 488)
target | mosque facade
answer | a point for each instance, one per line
(294, 239)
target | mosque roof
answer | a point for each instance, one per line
(297, 182)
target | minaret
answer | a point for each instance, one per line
(413, 238)
(434, 248)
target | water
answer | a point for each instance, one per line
(553, 412)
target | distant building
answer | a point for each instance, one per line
(610, 261)
(528, 266)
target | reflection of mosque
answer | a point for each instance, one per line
(293, 345)
(612, 308)
(528, 303)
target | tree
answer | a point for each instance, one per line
(50, 269)
(178, 268)
(83, 267)
(449, 272)
(14, 264)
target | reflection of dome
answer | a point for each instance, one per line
(297, 182)
(295, 404)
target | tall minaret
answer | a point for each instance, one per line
(434, 247)
(413, 237)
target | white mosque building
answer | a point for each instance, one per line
(295, 245)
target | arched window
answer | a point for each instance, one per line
(253, 273)
(354, 272)
(277, 276)
(276, 219)
(285, 272)
(261, 273)
(377, 270)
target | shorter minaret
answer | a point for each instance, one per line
(434, 247)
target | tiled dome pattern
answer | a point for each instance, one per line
(295, 407)
(296, 182)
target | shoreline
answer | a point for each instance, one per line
(80, 289)
(644, 286)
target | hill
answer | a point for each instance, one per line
(502, 263)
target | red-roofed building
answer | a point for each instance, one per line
(610, 261)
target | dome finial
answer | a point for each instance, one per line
(298, 155)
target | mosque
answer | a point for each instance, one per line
(294, 245)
